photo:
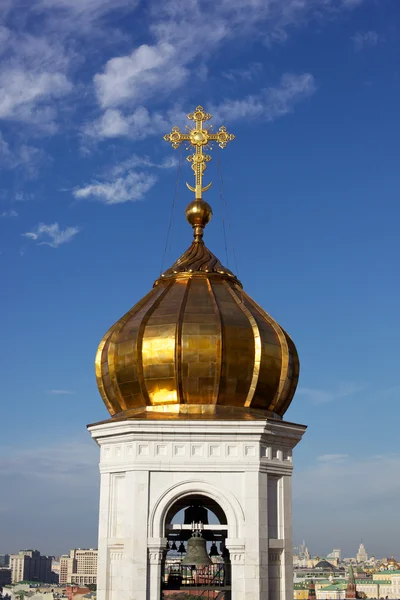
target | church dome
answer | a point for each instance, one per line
(197, 346)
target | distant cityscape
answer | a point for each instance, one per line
(335, 577)
(30, 574)
(73, 576)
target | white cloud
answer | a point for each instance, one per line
(60, 485)
(146, 71)
(345, 500)
(94, 8)
(21, 156)
(33, 76)
(135, 161)
(252, 71)
(365, 38)
(59, 463)
(55, 236)
(61, 392)
(270, 104)
(21, 196)
(330, 458)
(368, 478)
(26, 96)
(182, 42)
(8, 214)
(124, 183)
(273, 102)
(343, 390)
(127, 188)
(138, 124)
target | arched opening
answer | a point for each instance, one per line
(196, 561)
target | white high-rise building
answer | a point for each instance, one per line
(197, 378)
(362, 555)
(336, 553)
(79, 567)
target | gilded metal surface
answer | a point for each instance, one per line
(200, 139)
(198, 259)
(197, 346)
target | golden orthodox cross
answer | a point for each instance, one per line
(200, 139)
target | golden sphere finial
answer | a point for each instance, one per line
(198, 213)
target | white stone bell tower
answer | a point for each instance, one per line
(196, 378)
(245, 467)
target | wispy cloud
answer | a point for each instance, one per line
(27, 96)
(127, 188)
(61, 392)
(343, 390)
(136, 161)
(60, 483)
(51, 235)
(272, 102)
(363, 39)
(332, 458)
(369, 478)
(124, 182)
(146, 71)
(24, 157)
(7, 214)
(180, 45)
(180, 38)
(59, 462)
(252, 71)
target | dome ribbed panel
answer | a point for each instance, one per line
(125, 360)
(107, 358)
(104, 383)
(201, 345)
(158, 347)
(289, 363)
(271, 359)
(238, 349)
(292, 376)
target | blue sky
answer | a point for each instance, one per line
(311, 90)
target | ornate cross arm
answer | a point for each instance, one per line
(200, 139)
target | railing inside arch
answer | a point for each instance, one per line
(183, 582)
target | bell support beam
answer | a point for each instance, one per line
(181, 526)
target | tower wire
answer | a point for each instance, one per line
(225, 205)
(172, 214)
(221, 200)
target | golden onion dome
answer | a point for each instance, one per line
(197, 346)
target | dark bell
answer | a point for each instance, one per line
(196, 514)
(167, 546)
(182, 549)
(225, 554)
(174, 546)
(214, 550)
(196, 552)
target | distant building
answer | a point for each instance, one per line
(361, 556)
(79, 567)
(74, 592)
(389, 564)
(30, 565)
(4, 560)
(335, 554)
(5, 576)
